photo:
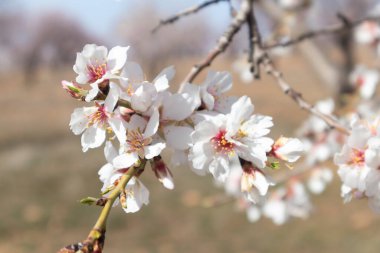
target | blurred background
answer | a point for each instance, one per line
(44, 174)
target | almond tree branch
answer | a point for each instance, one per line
(222, 44)
(333, 29)
(95, 240)
(264, 59)
(186, 12)
(297, 97)
(252, 45)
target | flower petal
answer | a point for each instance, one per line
(178, 137)
(117, 58)
(125, 160)
(93, 137)
(154, 150)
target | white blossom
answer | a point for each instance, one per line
(254, 184)
(141, 141)
(351, 160)
(213, 89)
(94, 122)
(219, 142)
(95, 64)
(135, 193)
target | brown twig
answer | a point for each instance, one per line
(223, 42)
(260, 56)
(95, 240)
(255, 42)
(333, 29)
(264, 59)
(297, 97)
(186, 12)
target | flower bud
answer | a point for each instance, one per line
(74, 89)
(162, 172)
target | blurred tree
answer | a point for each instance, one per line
(54, 45)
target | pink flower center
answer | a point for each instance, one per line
(222, 145)
(96, 71)
(360, 81)
(357, 157)
(100, 116)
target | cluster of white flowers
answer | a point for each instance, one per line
(322, 143)
(359, 163)
(202, 126)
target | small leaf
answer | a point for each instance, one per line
(88, 201)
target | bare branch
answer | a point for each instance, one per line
(223, 42)
(297, 97)
(337, 28)
(266, 61)
(186, 12)
(255, 42)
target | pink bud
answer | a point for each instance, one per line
(162, 172)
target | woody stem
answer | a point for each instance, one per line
(100, 225)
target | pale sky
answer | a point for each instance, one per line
(99, 16)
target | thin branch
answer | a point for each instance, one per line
(297, 97)
(222, 44)
(255, 42)
(337, 28)
(266, 61)
(186, 12)
(95, 240)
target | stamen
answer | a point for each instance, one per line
(100, 116)
(96, 71)
(358, 157)
(136, 141)
(222, 145)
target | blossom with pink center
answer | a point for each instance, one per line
(95, 65)
(94, 122)
(351, 160)
(142, 141)
(219, 141)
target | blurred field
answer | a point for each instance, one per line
(44, 174)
